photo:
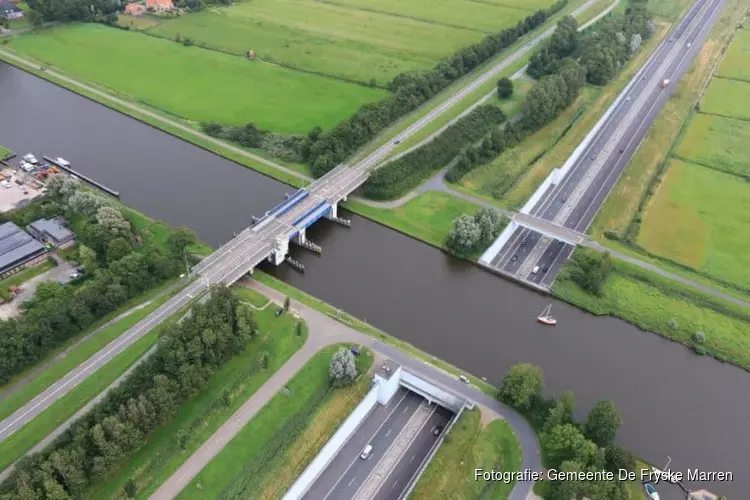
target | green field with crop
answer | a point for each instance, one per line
(718, 142)
(360, 40)
(735, 63)
(723, 96)
(701, 218)
(195, 83)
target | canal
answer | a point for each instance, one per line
(673, 402)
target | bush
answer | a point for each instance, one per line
(398, 177)
(504, 88)
(343, 368)
(673, 324)
(590, 270)
(699, 338)
(700, 350)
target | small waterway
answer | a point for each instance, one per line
(673, 402)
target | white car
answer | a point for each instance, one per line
(5, 184)
(74, 276)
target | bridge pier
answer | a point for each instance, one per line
(302, 241)
(333, 213)
(279, 252)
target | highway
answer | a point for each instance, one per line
(575, 200)
(347, 473)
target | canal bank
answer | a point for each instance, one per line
(444, 306)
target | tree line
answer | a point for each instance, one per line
(602, 50)
(403, 174)
(116, 270)
(472, 232)
(569, 446)
(188, 353)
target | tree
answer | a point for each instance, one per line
(87, 258)
(504, 88)
(117, 248)
(287, 303)
(617, 457)
(298, 329)
(521, 385)
(603, 421)
(179, 239)
(490, 224)
(561, 413)
(464, 236)
(112, 221)
(566, 442)
(562, 489)
(343, 368)
(85, 203)
(246, 322)
(130, 488)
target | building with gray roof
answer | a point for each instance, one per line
(52, 231)
(18, 249)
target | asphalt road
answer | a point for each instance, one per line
(398, 480)
(347, 471)
(574, 202)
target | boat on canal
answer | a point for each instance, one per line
(545, 317)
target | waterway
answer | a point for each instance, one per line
(673, 402)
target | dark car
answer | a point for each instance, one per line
(523, 243)
(622, 150)
(514, 258)
(545, 269)
(437, 430)
(355, 350)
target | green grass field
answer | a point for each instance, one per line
(651, 302)
(469, 446)
(428, 217)
(240, 467)
(701, 218)
(717, 142)
(5, 153)
(358, 40)
(201, 416)
(735, 63)
(251, 296)
(195, 83)
(723, 96)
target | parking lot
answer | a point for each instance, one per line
(61, 273)
(13, 195)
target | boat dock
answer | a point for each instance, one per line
(84, 178)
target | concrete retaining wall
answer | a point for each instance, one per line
(497, 245)
(431, 391)
(332, 447)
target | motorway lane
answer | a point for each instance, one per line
(347, 471)
(605, 179)
(398, 480)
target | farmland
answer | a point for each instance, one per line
(194, 83)
(723, 96)
(717, 142)
(359, 40)
(735, 63)
(701, 218)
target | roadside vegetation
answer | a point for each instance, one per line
(278, 338)
(657, 304)
(567, 445)
(472, 234)
(471, 444)
(266, 445)
(117, 269)
(150, 397)
(5, 153)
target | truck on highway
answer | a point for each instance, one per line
(665, 83)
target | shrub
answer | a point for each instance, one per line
(699, 350)
(699, 338)
(672, 324)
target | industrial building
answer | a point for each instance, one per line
(52, 232)
(18, 250)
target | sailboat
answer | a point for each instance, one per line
(545, 318)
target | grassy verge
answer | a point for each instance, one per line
(23, 276)
(5, 153)
(365, 328)
(675, 311)
(200, 417)
(471, 445)
(22, 441)
(251, 296)
(428, 217)
(243, 465)
(79, 354)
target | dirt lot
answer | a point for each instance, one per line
(15, 195)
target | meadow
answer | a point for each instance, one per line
(723, 96)
(735, 63)
(358, 40)
(701, 218)
(194, 83)
(717, 142)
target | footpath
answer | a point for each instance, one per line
(324, 331)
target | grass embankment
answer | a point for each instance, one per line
(263, 455)
(471, 445)
(663, 306)
(428, 217)
(5, 153)
(251, 296)
(220, 87)
(23, 277)
(200, 417)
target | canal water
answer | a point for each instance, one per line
(674, 403)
